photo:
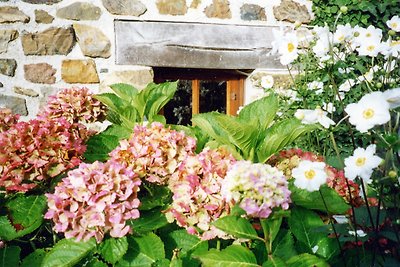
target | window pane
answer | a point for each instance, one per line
(179, 109)
(213, 96)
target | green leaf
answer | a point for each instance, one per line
(143, 251)
(113, 249)
(34, 259)
(149, 221)
(271, 226)
(327, 248)
(302, 223)
(283, 245)
(237, 226)
(112, 101)
(306, 260)
(98, 147)
(313, 200)
(279, 135)
(124, 91)
(185, 243)
(228, 130)
(9, 256)
(68, 252)
(157, 95)
(260, 112)
(7, 231)
(274, 262)
(27, 210)
(119, 131)
(159, 196)
(95, 263)
(232, 256)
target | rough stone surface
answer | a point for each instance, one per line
(218, 9)
(137, 78)
(252, 12)
(8, 66)
(53, 41)
(79, 71)
(80, 11)
(40, 73)
(42, 16)
(10, 14)
(195, 3)
(7, 36)
(125, 7)
(25, 92)
(47, 2)
(92, 41)
(172, 7)
(16, 104)
(291, 11)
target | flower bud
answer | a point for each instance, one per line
(392, 33)
(378, 85)
(392, 174)
(344, 9)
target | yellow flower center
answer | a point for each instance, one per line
(290, 47)
(360, 161)
(394, 25)
(310, 174)
(368, 113)
(370, 47)
(368, 34)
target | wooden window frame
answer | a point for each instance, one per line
(234, 87)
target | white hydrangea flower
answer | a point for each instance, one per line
(362, 163)
(371, 110)
(309, 175)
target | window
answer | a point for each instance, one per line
(201, 90)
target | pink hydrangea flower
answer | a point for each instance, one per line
(76, 105)
(155, 152)
(257, 188)
(196, 187)
(93, 200)
(33, 151)
(7, 119)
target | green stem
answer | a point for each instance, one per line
(268, 244)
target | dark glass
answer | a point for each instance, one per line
(179, 109)
(212, 96)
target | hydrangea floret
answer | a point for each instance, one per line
(34, 151)
(7, 119)
(76, 105)
(94, 200)
(257, 188)
(196, 187)
(154, 152)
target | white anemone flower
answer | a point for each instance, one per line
(362, 163)
(392, 96)
(342, 33)
(309, 175)
(288, 48)
(317, 86)
(311, 116)
(371, 110)
(394, 23)
(267, 81)
(347, 85)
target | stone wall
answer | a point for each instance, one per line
(47, 45)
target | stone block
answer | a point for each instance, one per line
(125, 7)
(16, 104)
(8, 66)
(92, 41)
(80, 11)
(53, 41)
(40, 73)
(11, 14)
(79, 71)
